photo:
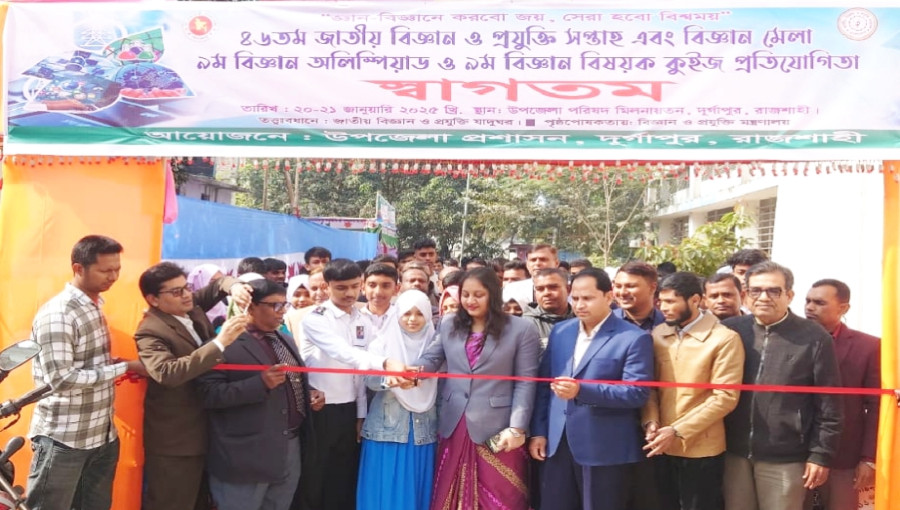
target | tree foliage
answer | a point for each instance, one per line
(705, 251)
(427, 206)
(179, 172)
(593, 218)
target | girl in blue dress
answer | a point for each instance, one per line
(400, 431)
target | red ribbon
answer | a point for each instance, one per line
(827, 390)
(128, 377)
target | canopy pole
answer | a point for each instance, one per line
(462, 241)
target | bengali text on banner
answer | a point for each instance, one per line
(457, 75)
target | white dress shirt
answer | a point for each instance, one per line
(584, 341)
(341, 340)
(189, 325)
(378, 321)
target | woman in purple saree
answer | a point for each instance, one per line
(481, 339)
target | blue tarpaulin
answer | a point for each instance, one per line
(207, 230)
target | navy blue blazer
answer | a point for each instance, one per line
(602, 423)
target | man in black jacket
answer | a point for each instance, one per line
(257, 420)
(780, 444)
(551, 291)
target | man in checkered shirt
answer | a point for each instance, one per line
(75, 443)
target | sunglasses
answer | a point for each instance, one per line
(178, 291)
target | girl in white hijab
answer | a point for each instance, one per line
(298, 292)
(513, 304)
(400, 431)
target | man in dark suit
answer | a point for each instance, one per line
(859, 359)
(257, 419)
(591, 431)
(175, 343)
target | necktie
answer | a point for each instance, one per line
(295, 379)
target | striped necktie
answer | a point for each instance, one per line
(295, 379)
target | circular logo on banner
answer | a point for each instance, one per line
(857, 24)
(199, 27)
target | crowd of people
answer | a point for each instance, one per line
(370, 425)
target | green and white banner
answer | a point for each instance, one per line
(386, 219)
(474, 79)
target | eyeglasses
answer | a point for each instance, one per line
(276, 307)
(772, 292)
(178, 291)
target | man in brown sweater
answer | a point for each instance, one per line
(685, 426)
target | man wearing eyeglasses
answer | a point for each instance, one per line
(780, 444)
(177, 343)
(259, 420)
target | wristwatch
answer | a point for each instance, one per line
(870, 464)
(515, 433)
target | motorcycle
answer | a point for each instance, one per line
(12, 357)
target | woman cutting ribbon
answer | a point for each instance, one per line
(482, 423)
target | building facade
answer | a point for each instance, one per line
(825, 224)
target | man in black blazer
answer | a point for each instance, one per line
(258, 421)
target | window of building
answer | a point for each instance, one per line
(717, 214)
(679, 230)
(668, 187)
(765, 230)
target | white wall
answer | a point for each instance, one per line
(826, 226)
(663, 231)
(831, 226)
(708, 194)
(195, 189)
